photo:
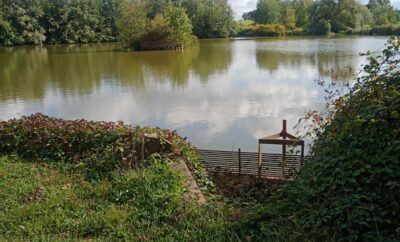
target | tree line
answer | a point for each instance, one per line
(171, 24)
(323, 16)
(82, 21)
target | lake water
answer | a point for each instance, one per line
(225, 94)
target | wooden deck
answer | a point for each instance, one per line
(246, 163)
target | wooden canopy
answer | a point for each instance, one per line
(283, 138)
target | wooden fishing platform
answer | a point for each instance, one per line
(263, 165)
(246, 163)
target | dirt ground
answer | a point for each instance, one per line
(244, 187)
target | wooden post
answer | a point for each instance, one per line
(259, 160)
(284, 131)
(302, 156)
(240, 162)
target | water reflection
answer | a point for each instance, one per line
(27, 71)
(337, 58)
(223, 95)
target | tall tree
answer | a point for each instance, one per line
(7, 33)
(24, 17)
(302, 8)
(382, 11)
(213, 19)
(288, 15)
(268, 11)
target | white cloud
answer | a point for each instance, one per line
(242, 6)
(396, 3)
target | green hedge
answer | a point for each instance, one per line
(261, 30)
(38, 137)
(98, 146)
(386, 30)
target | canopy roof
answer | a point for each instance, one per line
(282, 138)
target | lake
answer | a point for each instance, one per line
(225, 94)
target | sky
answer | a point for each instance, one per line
(242, 6)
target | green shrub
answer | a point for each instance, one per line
(167, 30)
(96, 147)
(212, 19)
(321, 27)
(262, 30)
(349, 189)
(38, 137)
(386, 30)
(361, 30)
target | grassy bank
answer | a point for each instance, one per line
(58, 201)
(105, 181)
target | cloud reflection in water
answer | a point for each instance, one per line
(224, 94)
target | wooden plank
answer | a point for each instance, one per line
(281, 141)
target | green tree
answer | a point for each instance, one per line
(321, 13)
(302, 8)
(213, 19)
(7, 33)
(383, 12)
(109, 14)
(154, 7)
(288, 15)
(364, 16)
(268, 11)
(338, 16)
(249, 15)
(24, 20)
(169, 29)
(132, 24)
(345, 16)
(179, 26)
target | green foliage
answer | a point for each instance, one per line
(22, 21)
(342, 16)
(268, 12)
(97, 147)
(83, 21)
(348, 189)
(386, 30)
(56, 203)
(289, 16)
(302, 8)
(169, 29)
(212, 19)
(262, 30)
(323, 16)
(132, 24)
(322, 27)
(39, 137)
(383, 12)
(6, 30)
(64, 21)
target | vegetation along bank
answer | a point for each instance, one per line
(144, 24)
(165, 24)
(282, 17)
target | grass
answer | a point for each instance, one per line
(58, 202)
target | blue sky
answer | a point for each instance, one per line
(242, 6)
